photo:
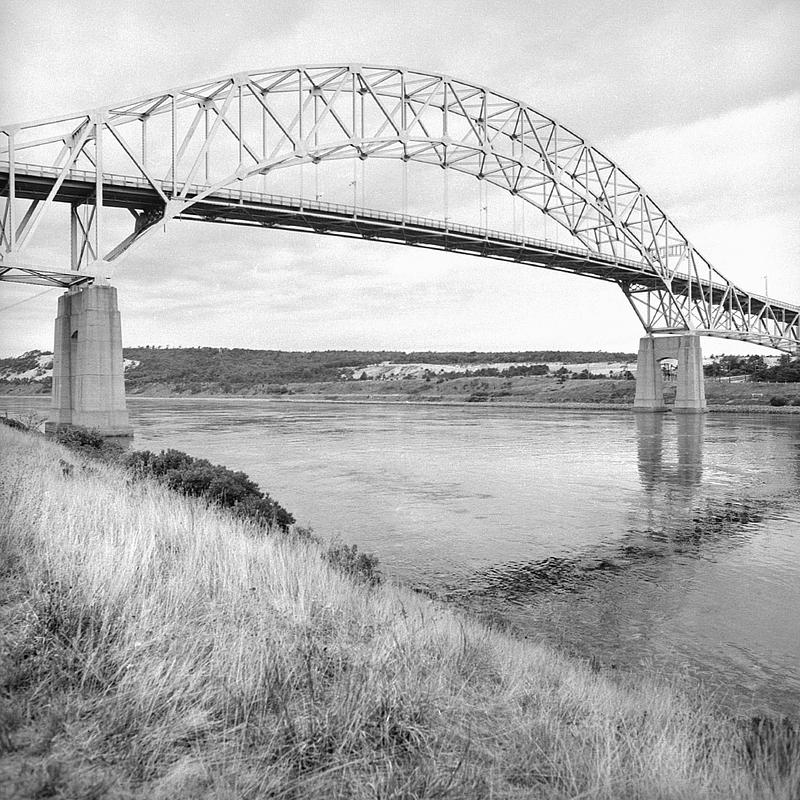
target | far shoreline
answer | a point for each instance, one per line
(373, 401)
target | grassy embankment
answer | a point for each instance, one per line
(155, 647)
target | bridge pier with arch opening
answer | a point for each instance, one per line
(690, 396)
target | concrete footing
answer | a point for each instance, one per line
(88, 381)
(691, 394)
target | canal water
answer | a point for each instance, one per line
(665, 542)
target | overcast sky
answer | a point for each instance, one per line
(698, 101)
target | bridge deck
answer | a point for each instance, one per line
(233, 206)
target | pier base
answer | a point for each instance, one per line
(691, 393)
(88, 381)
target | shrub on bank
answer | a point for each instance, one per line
(347, 559)
(223, 487)
(198, 477)
(12, 423)
(195, 477)
(89, 443)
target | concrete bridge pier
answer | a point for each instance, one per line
(88, 382)
(691, 394)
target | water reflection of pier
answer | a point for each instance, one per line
(655, 469)
(673, 525)
(669, 591)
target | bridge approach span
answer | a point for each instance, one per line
(238, 207)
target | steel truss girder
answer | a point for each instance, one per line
(187, 146)
(42, 276)
(717, 312)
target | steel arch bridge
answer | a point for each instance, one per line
(203, 152)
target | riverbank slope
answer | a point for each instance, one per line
(156, 647)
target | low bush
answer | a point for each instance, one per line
(778, 401)
(186, 474)
(198, 477)
(75, 438)
(12, 423)
(229, 489)
(362, 567)
(347, 559)
(89, 442)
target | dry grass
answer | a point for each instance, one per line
(153, 647)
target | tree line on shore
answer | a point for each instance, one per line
(787, 370)
(231, 370)
(239, 368)
(196, 369)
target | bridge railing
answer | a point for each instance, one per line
(240, 196)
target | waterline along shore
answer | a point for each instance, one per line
(155, 646)
(398, 399)
(532, 391)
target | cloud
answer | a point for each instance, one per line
(646, 63)
(731, 157)
(68, 56)
(731, 182)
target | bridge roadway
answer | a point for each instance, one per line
(237, 207)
